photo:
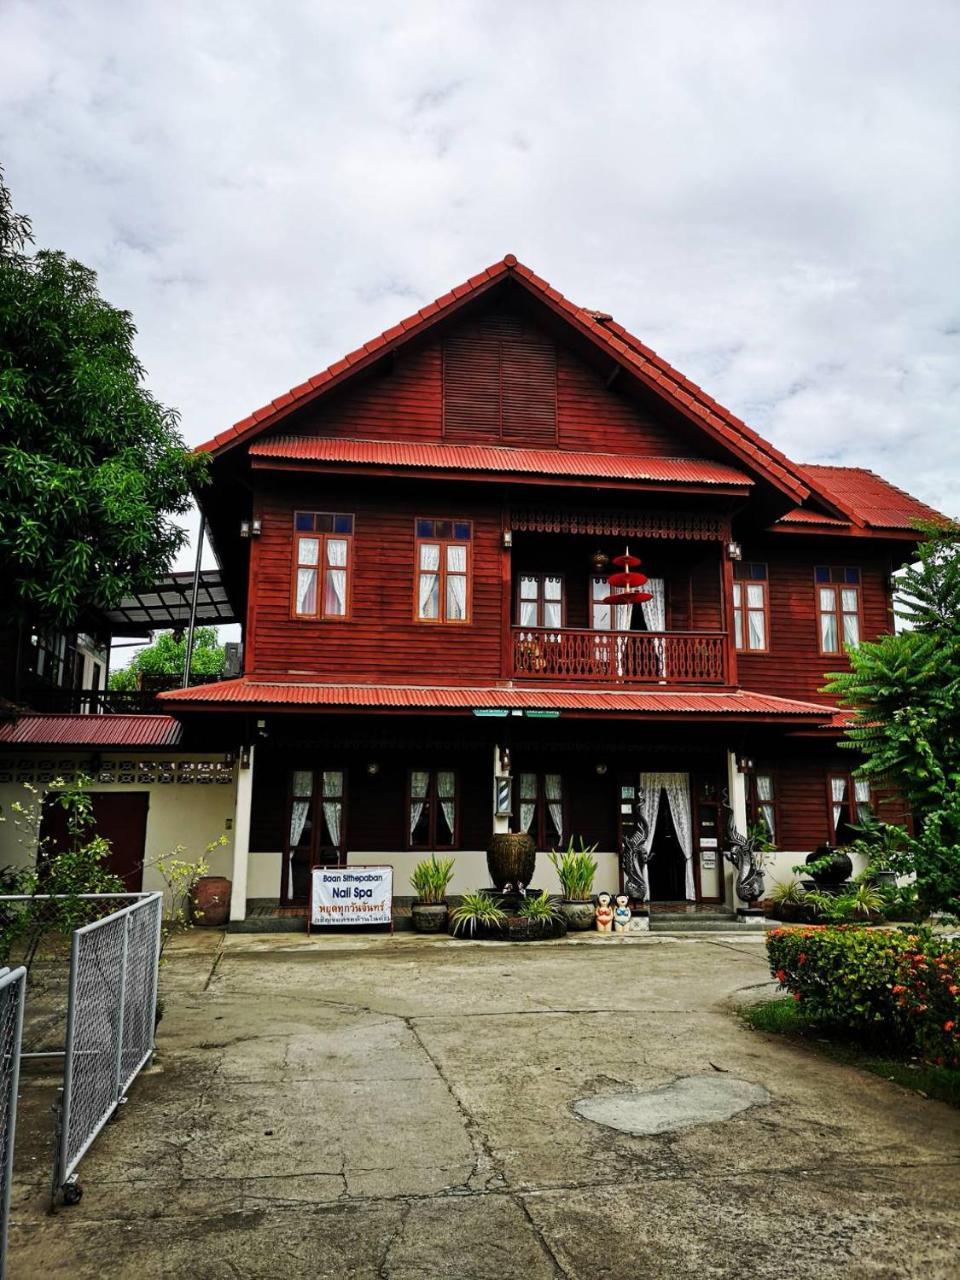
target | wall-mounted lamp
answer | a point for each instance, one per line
(599, 560)
(244, 528)
(257, 527)
(508, 537)
(504, 760)
(373, 768)
(745, 764)
(600, 768)
(251, 528)
(229, 758)
(244, 757)
(734, 550)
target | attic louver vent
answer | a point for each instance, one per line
(499, 384)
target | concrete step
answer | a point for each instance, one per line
(714, 922)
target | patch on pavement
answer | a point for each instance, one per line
(681, 1104)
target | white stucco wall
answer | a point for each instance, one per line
(192, 814)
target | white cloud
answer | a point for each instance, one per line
(767, 194)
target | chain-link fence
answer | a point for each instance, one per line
(13, 985)
(111, 1017)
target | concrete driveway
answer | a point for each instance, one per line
(405, 1108)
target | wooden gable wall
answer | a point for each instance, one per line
(497, 378)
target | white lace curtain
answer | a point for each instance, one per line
(333, 805)
(838, 792)
(446, 790)
(335, 579)
(302, 789)
(528, 800)
(655, 618)
(677, 788)
(765, 802)
(553, 790)
(419, 781)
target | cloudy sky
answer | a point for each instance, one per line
(767, 193)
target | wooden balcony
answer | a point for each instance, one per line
(620, 657)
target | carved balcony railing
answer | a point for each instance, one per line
(620, 657)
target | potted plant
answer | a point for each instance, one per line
(789, 901)
(537, 917)
(576, 870)
(511, 859)
(430, 879)
(478, 914)
(829, 866)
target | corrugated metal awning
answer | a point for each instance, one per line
(39, 730)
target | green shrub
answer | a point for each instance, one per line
(903, 987)
(928, 993)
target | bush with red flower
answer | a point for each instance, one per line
(899, 987)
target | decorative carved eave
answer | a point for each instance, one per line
(689, 526)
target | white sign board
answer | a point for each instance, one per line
(351, 895)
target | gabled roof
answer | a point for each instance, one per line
(49, 730)
(247, 693)
(499, 460)
(629, 352)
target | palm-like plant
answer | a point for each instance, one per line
(576, 869)
(478, 910)
(431, 877)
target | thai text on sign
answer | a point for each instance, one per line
(351, 895)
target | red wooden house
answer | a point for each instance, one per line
(420, 539)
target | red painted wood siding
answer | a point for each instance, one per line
(794, 666)
(549, 397)
(381, 641)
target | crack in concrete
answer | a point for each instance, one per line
(559, 1270)
(383, 1269)
(485, 1164)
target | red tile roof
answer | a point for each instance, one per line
(470, 457)
(627, 350)
(39, 730)
(245, 692)
(881, 504)
(800, 515)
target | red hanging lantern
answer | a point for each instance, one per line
(627, 576)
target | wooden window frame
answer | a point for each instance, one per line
(837, 612)
(540, 811)
(432, 847)
(441, 620)
(540, 625)
(851, 782)
(753, 800)
(743, 609)
(321, 567)
(316, 817)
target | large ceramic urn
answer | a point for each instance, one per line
(511, 859)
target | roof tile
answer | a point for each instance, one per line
(40, 730)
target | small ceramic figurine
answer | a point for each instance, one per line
(604, 913)
(622, 913)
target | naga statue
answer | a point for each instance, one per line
(745, 854)
(634, 856)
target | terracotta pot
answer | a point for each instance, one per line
(578, 913)
(428, 917)
(511, 859)
(211, 901)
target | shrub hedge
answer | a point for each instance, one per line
(900, 987)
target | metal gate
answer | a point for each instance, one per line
(13, 986)
(111, 1016)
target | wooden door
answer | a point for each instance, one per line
(119, 817)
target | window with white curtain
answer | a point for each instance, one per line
(314, 831)
(850, 806)
(432, 809)
(750, 607)
(762, 803)
(838, 608)
(323, 546)
(541, 812)
(540, 600)
(443, 570)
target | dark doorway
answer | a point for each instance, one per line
(667, 868)
(118, 816)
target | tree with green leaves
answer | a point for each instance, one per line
(905, 691)
(93, 469)
(166, 655)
